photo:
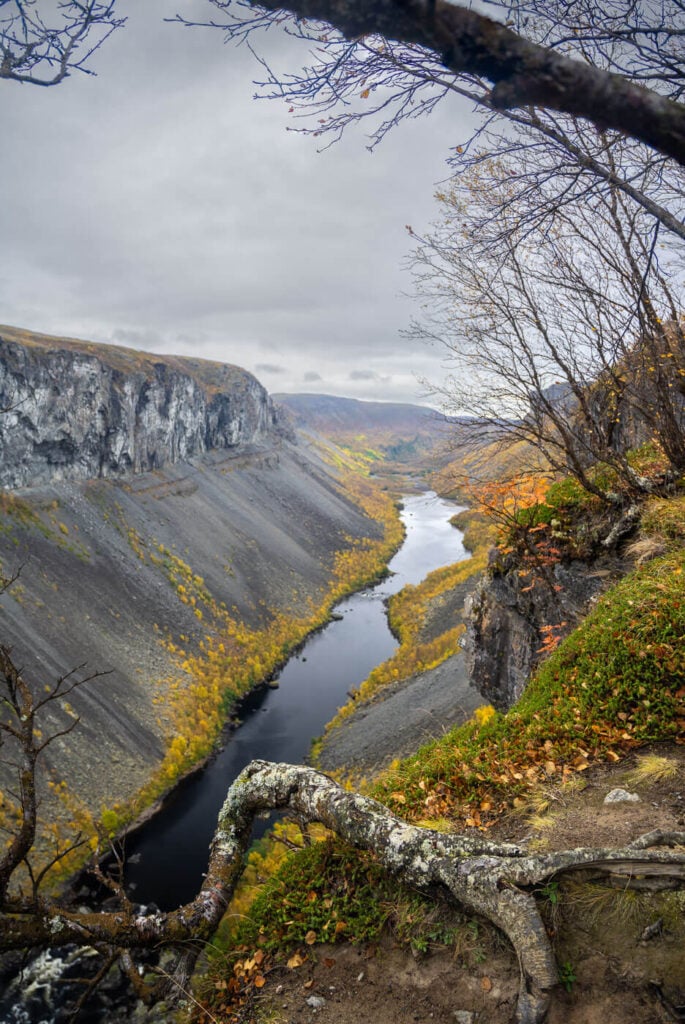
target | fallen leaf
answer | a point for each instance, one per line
(310, 937)
(485, 984)
(295, 961)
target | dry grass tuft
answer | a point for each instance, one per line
(653, 768)
(645, 549)
(542, 822)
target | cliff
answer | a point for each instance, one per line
(506, 615)
(162, 500)
(75, 410)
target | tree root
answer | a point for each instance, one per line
(493, 880)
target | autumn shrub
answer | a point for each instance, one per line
(330, 892)
(232, 657)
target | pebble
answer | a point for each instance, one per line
(464, 1016)
(621, 796)
(316, 1002)
(360, 976)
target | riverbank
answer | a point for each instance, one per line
(399, 719)
(424, 689)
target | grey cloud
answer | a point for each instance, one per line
(151, 341)
(269, 368)
(157, 205)
(367, 375)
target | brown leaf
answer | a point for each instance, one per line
(485, 984)
(310, 937)
(295, 961)
(260, 981)
(328, 961)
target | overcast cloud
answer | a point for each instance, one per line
(159, 206)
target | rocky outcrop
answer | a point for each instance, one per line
(505, 618)
(79, 411)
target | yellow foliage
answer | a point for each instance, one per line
(233, 657)
(484, 714)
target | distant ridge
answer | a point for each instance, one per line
(333, 414)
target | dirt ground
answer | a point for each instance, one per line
(614, 972)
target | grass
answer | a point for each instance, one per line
(651, 768)
(615, 683)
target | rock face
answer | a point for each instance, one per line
(143, 475)
(79, 411)
(505, 616)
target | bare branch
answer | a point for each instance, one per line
(523, 72)
(37, 52)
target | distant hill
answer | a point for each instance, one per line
(402, 431)
(411, 436)
(330, 414)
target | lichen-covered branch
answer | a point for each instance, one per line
(494, 880)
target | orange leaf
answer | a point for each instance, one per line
(295, 961)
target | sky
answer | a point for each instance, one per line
(160, 206)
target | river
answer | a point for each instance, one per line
(166, 858)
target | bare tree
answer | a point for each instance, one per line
(522, 72)
(570, 328)
(42, 50)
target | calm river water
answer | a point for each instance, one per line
(167, 857)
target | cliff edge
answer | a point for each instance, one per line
(73, 410)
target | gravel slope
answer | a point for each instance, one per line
(400, 718)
